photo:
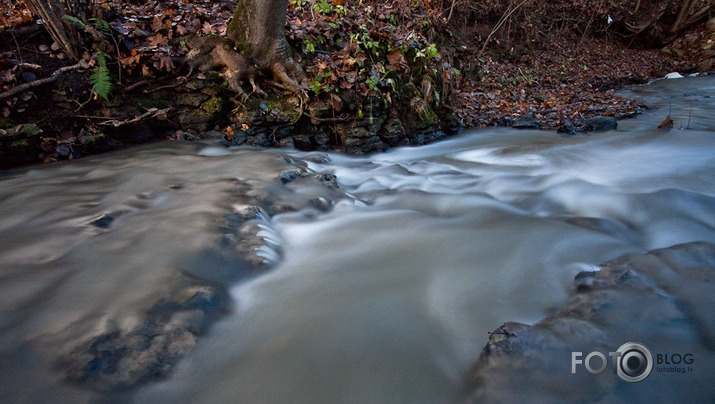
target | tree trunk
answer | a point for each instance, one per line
(258, 30)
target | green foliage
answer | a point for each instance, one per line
(341, 11)
(101, 25)
(99, 29)
(317, 83)
(100, 78)
(309, 46)
(323, 7)
(372, 82)
(74, 20)
(526, 76)
(429, 52)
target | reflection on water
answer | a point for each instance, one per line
(387, 297)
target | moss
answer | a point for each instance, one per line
(213, 105)
(20, 143)
(95, 138)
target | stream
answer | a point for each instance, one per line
(383, 291)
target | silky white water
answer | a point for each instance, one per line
(385, 298)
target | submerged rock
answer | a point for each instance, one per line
(132, 353)
(666, 297)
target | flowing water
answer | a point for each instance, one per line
(386, 297)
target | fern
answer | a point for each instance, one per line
(100, 78)
(100, 25)
(74, 20)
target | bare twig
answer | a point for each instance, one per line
(501, 22)
(151, 113)
(136, 85)
(27, 86)
(451, 10)
(180, 82)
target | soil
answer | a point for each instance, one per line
(382, 75)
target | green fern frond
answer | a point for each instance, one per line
(100, 78)
(74, 20)
(101, 26)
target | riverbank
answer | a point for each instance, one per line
(381, 75)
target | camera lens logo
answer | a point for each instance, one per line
(634, 362)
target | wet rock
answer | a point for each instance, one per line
(526, 122)
(302, 142)
(600, 124)
(666, 294)
(566, 128)
(392, 131)
(103, 222)
(116, 360)
(290, 175)
(327, 179)
(123, 358)
(63, 150)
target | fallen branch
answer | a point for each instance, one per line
(136, 85)
(27, 86)
(151, 113)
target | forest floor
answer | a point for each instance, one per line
(415, 54)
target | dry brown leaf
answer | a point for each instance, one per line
(666, 123)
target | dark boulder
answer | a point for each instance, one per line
(526, 122)
(600, 124)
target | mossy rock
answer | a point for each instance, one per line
(213, 105)
(93, 139)
(23, 130)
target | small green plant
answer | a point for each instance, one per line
(429, 52)
(101, 25)
(341, 11)
(309, 46)
(317, 83)
(99, 29)
(100, 78)
(323, 7)
(372, 82)
(526, 76)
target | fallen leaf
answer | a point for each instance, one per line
(667, 122)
